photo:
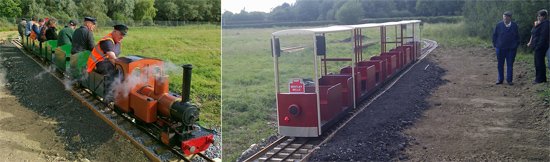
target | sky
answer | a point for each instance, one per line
(236, 6)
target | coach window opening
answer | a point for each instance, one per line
(397, 39)
(320, 46)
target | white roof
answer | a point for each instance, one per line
(411, 21)
(330, 29)
(339, 28)
(369, 25)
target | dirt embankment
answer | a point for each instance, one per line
(40, 121)
(447, 108)
(478, 120)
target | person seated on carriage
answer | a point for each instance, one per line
(36, 27)
(66, 34)
(106, 51)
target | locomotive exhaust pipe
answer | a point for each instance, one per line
(184, 111)
(186, 84)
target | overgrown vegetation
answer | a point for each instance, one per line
(453, 35)
(482, 16)
(6, 25)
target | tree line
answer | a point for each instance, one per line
(349, 11)
(105, 10)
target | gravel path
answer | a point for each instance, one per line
(53, 125)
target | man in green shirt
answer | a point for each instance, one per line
(65, 35)
(21, 27)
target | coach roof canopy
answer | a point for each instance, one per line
(339, 28)
(330, 29)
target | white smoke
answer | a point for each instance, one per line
(124, 85)
(137, 77)
(171, 68)
(50, 69)
(70, 82)
(2, 74)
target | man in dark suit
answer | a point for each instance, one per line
(83, 40)
(506, 41)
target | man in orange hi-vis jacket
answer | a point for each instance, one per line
(106, 51)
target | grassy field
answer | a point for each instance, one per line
(249, 112)
(198, 45)
(191, 44)
(248, 102)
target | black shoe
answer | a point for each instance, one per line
(535, 82)
(510, 83)
(499, 82)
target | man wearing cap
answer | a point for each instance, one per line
(83, 38)
(65, 35)
(21, 27)
(506, 40)
(107, 50)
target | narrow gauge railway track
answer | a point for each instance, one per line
(122, 123)
(290, 149)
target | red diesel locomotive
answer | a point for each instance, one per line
(307, 107)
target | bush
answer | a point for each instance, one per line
(147, 21)
(395, 13)
(350, 13)
(8, 24)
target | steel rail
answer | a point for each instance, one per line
(266, 149)
(297, 148)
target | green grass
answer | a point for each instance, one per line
(248, 79)
(452, 35)
(191, 44)
(248, 102)
(13, 35)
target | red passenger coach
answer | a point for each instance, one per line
(317, 85)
